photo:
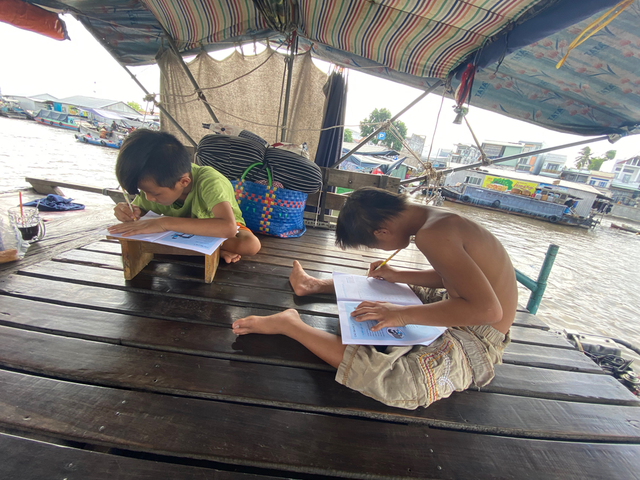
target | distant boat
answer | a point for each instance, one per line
(516, 204)
(86, 134)
(11, 109)
(56, 119)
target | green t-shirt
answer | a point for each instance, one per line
(210, 188)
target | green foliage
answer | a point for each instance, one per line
(136, 106)
(584, 158)
(379, 116)
(596, 162)
(348, 135)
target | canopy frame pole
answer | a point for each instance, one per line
(287, 94)
(106, 46)
(506, 159)
(161, 108)
(385, 124)
(199, 92)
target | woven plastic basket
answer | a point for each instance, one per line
(270, 210)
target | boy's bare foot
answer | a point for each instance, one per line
(229, 257)
(305, 284)
(278, 323)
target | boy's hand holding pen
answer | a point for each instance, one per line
(126, 212)
(381, 270)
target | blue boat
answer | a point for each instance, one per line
(93, 137)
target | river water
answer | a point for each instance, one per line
(593, 286)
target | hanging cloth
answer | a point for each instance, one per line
(335, 106)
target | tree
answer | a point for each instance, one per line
(596, 162)
(348, 135)
(584, 158)
(379, 116)
(135, 106)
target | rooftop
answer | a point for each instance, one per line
(527, 177)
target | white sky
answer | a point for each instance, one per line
(33, 64)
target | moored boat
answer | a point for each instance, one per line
(95, 137)
(11, 109)
(56, 119)
(516, 204)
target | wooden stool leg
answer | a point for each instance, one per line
(211, 265)
(134, 258)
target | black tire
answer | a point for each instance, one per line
(103, 143)
(496, 204)
(84, 139)
(553, 218)
(466, 198)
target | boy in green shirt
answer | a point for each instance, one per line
(192, 199)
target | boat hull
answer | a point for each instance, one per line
(515, 205)
(98, 141)
(58, 124)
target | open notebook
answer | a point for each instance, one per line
(351, 290)
(196, 243)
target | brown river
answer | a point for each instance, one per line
(593, 286)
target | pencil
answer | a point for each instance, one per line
(126, 198)
(385, 262)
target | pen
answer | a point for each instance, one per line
(385, 262)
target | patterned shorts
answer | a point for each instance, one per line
(413, 376)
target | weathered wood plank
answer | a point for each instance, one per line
(279, 439)
(500, 414)
(22, 459)
(548, 357)
(179, 279)
(174, 297)
(559, 385)
(220, 342)
(534, 336)
(214, 341)
(189, 375)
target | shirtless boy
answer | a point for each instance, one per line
(192, 199)
(467, 260)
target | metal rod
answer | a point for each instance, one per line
(393, 119)
(289, 63)
(511, 157)
(107, 47)
(162, 109)
(193, 81)
(538, 287)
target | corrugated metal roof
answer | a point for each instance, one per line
(88, 102)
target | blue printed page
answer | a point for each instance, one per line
(359, 333)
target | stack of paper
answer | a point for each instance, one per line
(351, 290)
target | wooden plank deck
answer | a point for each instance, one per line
(144, 379)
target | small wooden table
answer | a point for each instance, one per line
(136, 255)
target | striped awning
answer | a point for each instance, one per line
(417, 37)
(515, 43)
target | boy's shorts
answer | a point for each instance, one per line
(417, 375)
(242, 227)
